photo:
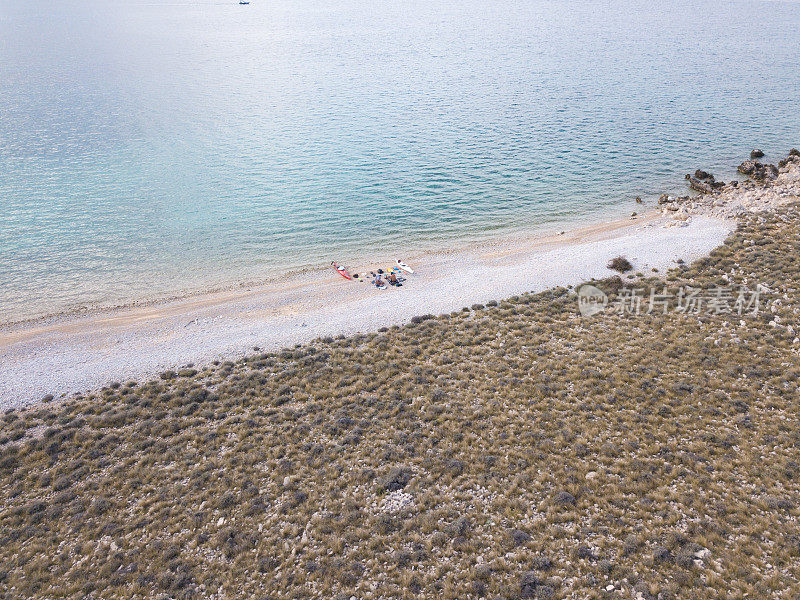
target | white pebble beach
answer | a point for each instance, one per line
(69, 354)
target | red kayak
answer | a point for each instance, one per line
(342, 271)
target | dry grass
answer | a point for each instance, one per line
(514, 450)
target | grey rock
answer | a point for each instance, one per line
(770, 172)
(758, 171)
(748, 167)
(700, 186)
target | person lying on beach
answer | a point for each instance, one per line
(393, 279)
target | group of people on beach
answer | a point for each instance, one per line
(394, 276)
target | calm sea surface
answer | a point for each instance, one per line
(149, 148)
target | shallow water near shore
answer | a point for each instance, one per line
(152, 148)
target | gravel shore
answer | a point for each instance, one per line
(74, 354)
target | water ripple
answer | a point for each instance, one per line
(206, 142)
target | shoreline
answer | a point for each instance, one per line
(70, 355)
(75, 353)
(484, 238)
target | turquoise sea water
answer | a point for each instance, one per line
(149, 148)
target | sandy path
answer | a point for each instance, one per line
(73, 354)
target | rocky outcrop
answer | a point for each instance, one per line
(758, 171)
(704, 182)
(700, 186)
(747, 167)
(756, 153)
(766, 172)
(768, 187)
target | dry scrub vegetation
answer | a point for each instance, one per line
(515, 450)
